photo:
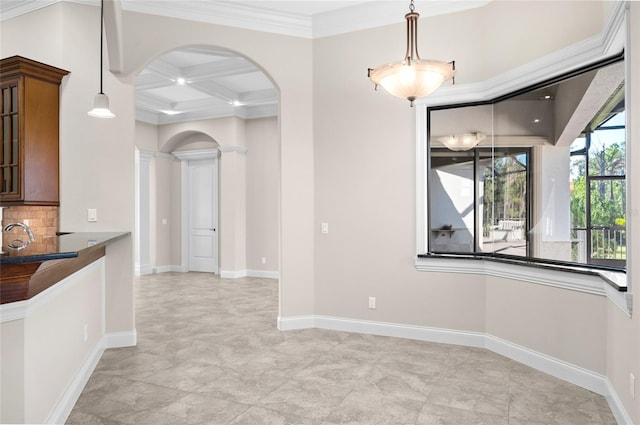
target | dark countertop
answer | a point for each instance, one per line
(66, 245)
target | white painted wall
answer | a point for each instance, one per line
(164, 215)
(12, 336)
(262, 194)
(146, 136)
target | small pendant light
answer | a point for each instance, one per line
(413, 77)
(101, 101)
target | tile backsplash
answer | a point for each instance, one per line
(43, 222)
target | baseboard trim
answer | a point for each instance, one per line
(550, 365)
(293, 323)
(225, 274)
(120, 339)
(560, 369)
(236, 274)
(169, 268)
(68, 399)
(143, 269)
(232, 274)
(267, 274)
(616, 406)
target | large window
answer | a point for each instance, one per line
(537, 175)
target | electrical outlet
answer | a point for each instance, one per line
(372, 303)
(26, 222)
(632, 385)
(263, 260)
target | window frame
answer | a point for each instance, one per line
(476, 157)
(615, 284)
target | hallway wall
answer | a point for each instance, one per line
(249, 186)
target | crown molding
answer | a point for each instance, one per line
(11, 9)
(366, 14)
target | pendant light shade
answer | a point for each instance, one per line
(412, 78)
(462, 142)
(101, 107)
(101, 101)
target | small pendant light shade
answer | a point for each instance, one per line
(101, 101)
(101, 107)
(412, 78)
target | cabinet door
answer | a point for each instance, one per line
(10, 133)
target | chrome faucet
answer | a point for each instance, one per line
(18, 244)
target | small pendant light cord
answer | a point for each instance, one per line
(101, 29)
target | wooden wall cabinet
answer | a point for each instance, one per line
(29, 131)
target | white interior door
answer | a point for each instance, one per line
(203, 215)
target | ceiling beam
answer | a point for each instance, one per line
(217, 69)
(152, 80)
(113, 29)
(165, 69)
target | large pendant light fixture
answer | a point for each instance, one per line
(413, 77)
(101, 101)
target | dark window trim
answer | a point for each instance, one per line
(591, 269)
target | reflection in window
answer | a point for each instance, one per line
(484, 186)
(547, 182)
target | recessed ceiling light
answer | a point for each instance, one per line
(537, 120)
(181, 81)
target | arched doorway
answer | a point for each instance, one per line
(226, 103)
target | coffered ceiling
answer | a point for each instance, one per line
(197, 83)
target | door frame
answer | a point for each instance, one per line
(185, 157)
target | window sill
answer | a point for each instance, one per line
(599, 282)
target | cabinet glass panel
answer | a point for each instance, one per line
(6, 140)
(14, 99)
(14, 139)
(9, 130)
(6, 100)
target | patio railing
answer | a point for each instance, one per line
(605, 243)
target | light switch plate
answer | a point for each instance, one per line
(92, 214)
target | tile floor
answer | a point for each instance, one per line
(209, 353)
